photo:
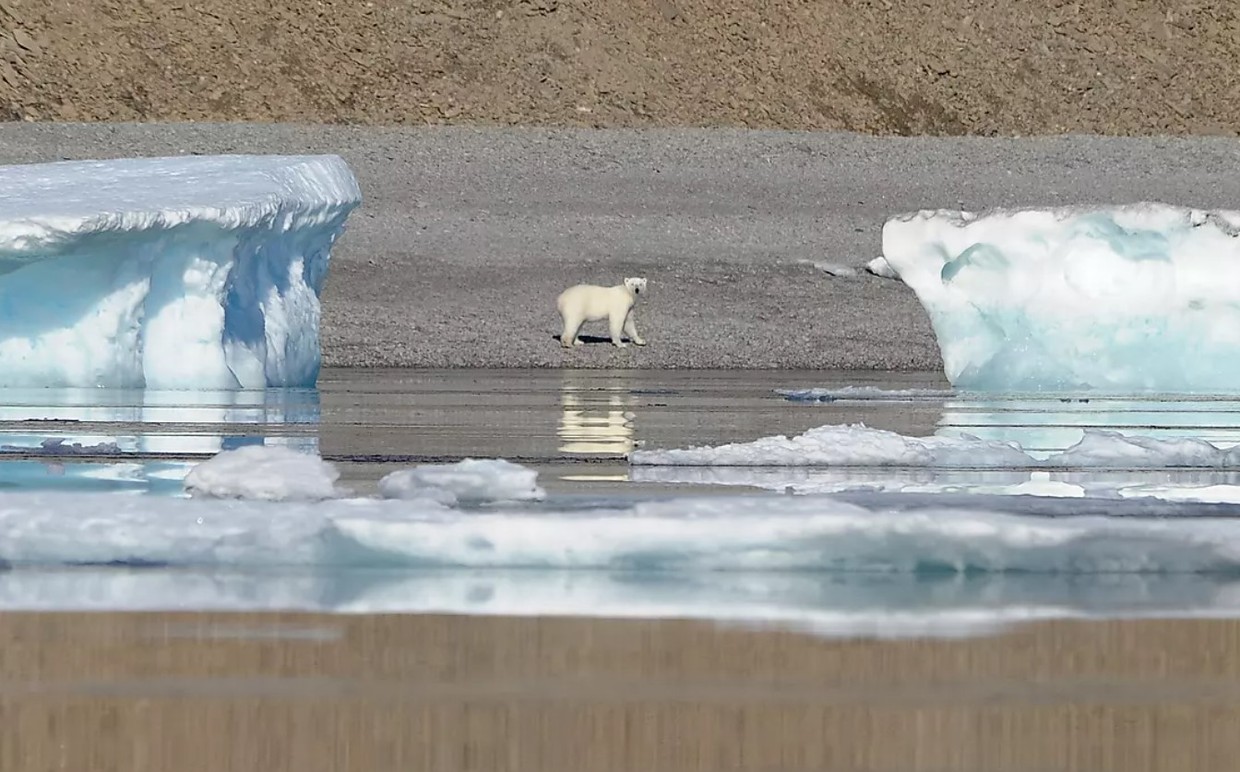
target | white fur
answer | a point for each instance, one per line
(590, 303)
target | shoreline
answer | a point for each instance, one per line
(466, 234)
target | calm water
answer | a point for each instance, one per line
(575, 428)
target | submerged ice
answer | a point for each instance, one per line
(1119, 298)
(686, 534)
(267, 528)
(168, 273)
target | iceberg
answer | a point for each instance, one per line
(199, 272)
(1115, 298)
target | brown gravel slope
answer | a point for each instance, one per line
(880, 66)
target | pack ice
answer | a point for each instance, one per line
(200, 272)
(1139, 297)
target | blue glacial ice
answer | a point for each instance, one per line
(1125, 298)
(199, 272)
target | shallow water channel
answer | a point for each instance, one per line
(576, 428)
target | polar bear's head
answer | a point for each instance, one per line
(635, 285)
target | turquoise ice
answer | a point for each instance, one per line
(197, 272)
(1140, 297)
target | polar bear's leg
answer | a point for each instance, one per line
(616, 322)
(572, 325)
(630, 328)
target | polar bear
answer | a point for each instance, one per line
(590, 303)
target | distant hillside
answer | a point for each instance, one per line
(879, 66)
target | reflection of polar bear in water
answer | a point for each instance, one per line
(590, 303)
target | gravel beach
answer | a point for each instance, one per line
(466, 236)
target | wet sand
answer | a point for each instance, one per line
(376, 693)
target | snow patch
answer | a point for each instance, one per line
(1172, 485)
(845, 445)
(881, 268)
(470, 481)
(861, 446)
(1106, 448)
(832, 269)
